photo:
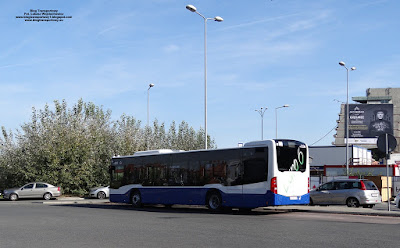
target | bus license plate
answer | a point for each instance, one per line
(293, 198)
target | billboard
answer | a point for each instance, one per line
(368, 121)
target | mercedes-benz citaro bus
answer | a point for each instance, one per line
(259, 174)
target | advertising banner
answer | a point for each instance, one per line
(368, 121)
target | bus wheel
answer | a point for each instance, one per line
(136, 199)
(214, 201)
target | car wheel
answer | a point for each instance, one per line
(352, 203)
(136, 199)
(214, 201)
(101, 195)
(13, 197)
(311, 202)
(47, 196)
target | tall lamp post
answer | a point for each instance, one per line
(218, 19)
(148, 101)
(341, 63)
(276, 118)
(261, 111)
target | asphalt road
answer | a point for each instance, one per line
(33, 224)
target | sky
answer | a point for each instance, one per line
(265, 53)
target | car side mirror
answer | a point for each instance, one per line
(22, 188)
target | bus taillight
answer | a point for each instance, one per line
(308, 185)
(274, 185)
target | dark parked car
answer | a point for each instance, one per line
(350, 192)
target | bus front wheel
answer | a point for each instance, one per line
(214, 201)
(136, 199)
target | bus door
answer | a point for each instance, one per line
(224, 167)
(233, 182)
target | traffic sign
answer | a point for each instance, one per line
(386, 143)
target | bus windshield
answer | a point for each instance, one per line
(291, 155)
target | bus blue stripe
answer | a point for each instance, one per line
(191, 196)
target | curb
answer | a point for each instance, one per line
(372, 213)
(338, 210)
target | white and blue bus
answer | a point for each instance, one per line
(259, 174)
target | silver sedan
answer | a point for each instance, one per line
(33, 190)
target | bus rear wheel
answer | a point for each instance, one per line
(136, 199)
(214, 201)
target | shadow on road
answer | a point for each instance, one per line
(175, 209)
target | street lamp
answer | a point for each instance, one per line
(276, 118)
(148, 97)
(218, 19)
(261, 112)
(341, 63)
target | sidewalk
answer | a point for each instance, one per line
(380, 209)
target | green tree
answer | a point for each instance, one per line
(72, 147)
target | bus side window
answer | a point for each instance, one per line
(117, 173)
(255, 165)
(111, 170)
(234, 173)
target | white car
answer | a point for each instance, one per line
(100, 192)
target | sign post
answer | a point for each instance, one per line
(387, 143)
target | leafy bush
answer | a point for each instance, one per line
(72, 148)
